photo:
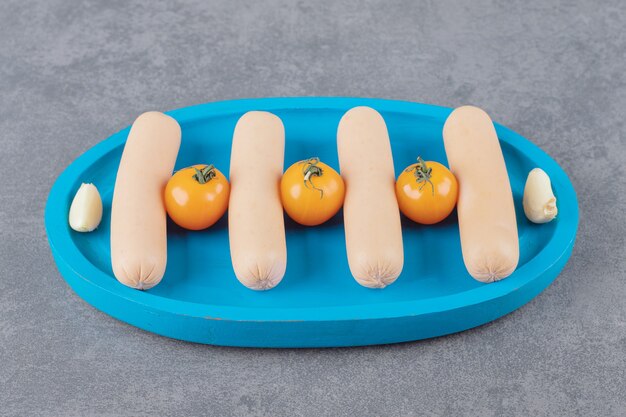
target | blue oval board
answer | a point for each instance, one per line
(318, 303)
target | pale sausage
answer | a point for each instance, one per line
(256, 224)
(138, 219)
(371, 214)
(485, 207)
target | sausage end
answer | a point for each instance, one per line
(378, 274)
(493, 267)
(465, 114)
(260, 273)
(141, 275)
(260, 119)
(359, 116)
(160, 120)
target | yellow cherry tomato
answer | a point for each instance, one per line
(196, 197)
(427, 192)
(311, 192)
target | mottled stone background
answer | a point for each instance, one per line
(72, 73)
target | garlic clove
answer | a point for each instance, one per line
(86, 209)
(539, 201)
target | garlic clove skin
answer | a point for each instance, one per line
(86, 209)
(539, 201)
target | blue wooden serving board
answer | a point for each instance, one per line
(318, 303)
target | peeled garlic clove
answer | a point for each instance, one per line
(86, 209)
(539, 201)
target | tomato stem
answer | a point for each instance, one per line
(422, 173)
(205, 174)
(311, 169)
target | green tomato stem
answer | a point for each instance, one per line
(422, 174)
(311, 169)
(205, 174)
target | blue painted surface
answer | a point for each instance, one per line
(318, 303)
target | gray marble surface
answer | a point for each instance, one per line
(72, 73)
